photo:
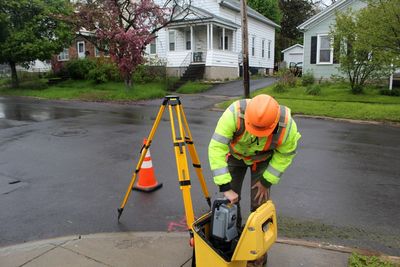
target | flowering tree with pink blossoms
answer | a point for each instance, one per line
(124, 28)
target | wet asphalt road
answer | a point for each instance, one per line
(65, 167)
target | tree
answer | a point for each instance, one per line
(382, 32)
(30, 30)
(268, 8)
(359, 60)
(125, 27)
(294, 12)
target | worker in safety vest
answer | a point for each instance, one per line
(256, 133)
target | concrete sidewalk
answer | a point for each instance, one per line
(150, 249)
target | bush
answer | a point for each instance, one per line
(393, 92)
(313, 89)
(287, 78)
(78, 69)
(357, 89)
(144, 73)
(307, 79)
(104, 71)
(279, 87)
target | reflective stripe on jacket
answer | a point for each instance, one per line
(231, 137)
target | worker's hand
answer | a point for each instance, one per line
(262, 192)
(232, 196)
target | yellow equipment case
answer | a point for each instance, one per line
(258, 235)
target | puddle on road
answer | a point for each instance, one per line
(20, 112)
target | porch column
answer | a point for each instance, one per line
(191, 38)
(211, 37)
(223, 39)
(208, 36)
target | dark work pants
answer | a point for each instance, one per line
(237, 169)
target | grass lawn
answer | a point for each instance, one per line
(357, 260)
(193, 87)
(88, 90)
(337, 101)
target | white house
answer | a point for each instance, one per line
(293, 54)
(210, 38)
(318, 50)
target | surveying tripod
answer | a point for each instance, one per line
(181, 138)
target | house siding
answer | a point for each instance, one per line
(216, 57)
(324, 71)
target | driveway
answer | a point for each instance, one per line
(235, 88)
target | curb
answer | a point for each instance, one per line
(285, 241)
(390, 123)
(338, 248)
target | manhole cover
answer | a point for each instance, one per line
(67, 132)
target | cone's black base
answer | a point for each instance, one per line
(147, 189)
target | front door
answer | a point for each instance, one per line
(81, 49)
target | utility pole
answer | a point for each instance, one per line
(245, 49)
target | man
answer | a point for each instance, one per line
(256, 133)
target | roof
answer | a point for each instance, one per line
(235, 5)
(198, 15)
(293, 46)
(323, 14)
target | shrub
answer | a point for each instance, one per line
(313, 89)
(393, 92)
(78, 69)
(307, 79)
(357, 89)
(287, 78)
(104, 71)
(280, 87)
(144, 73)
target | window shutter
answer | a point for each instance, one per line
(313, 56)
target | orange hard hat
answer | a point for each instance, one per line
(261, 115)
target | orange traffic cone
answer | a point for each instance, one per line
(147, 181)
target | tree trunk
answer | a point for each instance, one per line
(128, 82)
(14, 77)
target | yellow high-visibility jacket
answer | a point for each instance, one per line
(230, 137)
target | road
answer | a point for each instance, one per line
(65, 167)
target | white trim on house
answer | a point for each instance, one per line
(293, 46)
(323, 14)
(63, 55)
(319, 62)
(81, 53)
(269, 49)
(171, 31)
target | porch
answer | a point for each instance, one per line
(210, 44)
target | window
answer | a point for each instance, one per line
(253, 41)
(106, 51)
(221, 43)
(171, 36)
(263, 48)
(64, 55)
(81, 47)
(96, 52)
(269, 49)
(324, 50)
(188, 40)
(153, 47)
